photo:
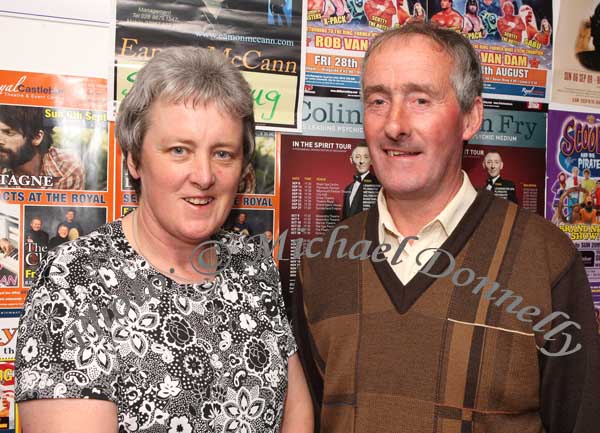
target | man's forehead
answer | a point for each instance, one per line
(361, 149)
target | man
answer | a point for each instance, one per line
(574, 197)
(587, 183)
(393, 342)
(380, 13)
(361, 194)
(448, 17)
(36, 235)
(75, 229)
(528, 17)
(510, 26)
(240, 225)
(26, 149)
(503, 188)
(472, 24)
(403, 15)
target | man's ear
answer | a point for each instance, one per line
(473, 119)
(38, 138)
(131, 167)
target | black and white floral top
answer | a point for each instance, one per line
(102, 323)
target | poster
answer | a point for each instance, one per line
(573, 185)
(263, 38)
(9, 322)
(339, 33)
(55, 166)
(513, 39)
(508, 155)
(318, 191)
(576, 78)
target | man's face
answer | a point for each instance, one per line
(575, 171)
(586, 174)
(242, 217)
(472, 8)
(507, 9)
(413, 123)
(63, 231)
(36, 225)
(493, 164)
(446, 4)
(15, 149)
(361, 159)
(70, 216)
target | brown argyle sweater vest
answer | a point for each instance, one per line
(433, 356)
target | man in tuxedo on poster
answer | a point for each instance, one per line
(503, 188)
(362, 192)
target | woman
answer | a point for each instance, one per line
(62, 236)
(419, 15)
(543, 37)
(143, 325)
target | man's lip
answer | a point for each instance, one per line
(402, 152)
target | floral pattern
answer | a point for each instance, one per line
(102, 323)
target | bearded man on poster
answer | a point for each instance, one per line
(391, 338)
(26, 149)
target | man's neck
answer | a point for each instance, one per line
(410, 215)
(33, 167)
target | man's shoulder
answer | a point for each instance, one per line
(505, 182)
(553, 246)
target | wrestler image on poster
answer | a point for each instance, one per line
(51, 148)
(9, 245)
(44, 227)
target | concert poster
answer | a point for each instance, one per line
(507, 156)
(263, 38)
(573, 185)
(58, 160)
(316, 192)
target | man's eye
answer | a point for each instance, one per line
(422, 101)
(178, 150)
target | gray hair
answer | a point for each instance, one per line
(466, 79)
(188, 75)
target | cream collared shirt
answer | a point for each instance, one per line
(432, 235)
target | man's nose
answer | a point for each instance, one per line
(397, 125)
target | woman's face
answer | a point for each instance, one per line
(562, 177)
(190, 166)
(63, 231)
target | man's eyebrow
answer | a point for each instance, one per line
(421, 88)
(378, 88)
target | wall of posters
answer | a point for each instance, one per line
(577, 54)
(263, 41)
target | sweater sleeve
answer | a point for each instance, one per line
(570, 384)
(306, 350)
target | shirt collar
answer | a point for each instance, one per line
(449, 217)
